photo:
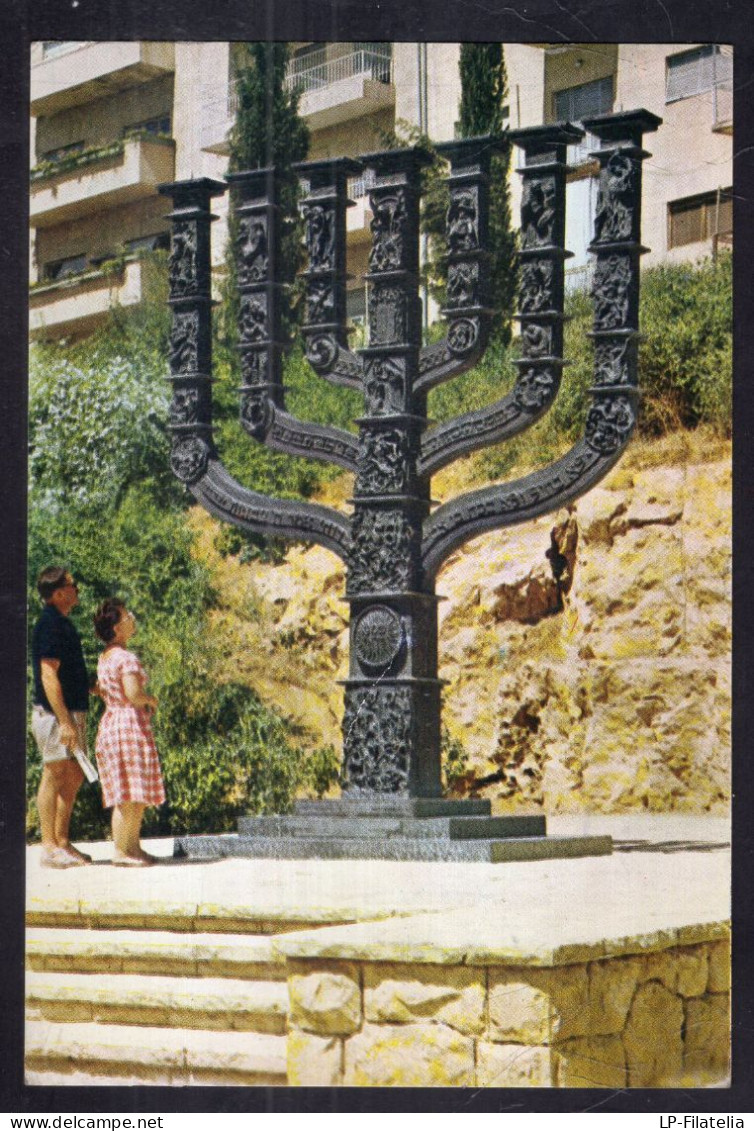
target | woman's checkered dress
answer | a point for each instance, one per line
(129, 768)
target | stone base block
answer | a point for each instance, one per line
(395, 848)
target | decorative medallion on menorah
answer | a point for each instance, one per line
(396, 539)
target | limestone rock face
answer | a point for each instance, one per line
(586, 654)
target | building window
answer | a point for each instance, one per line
(149, 126)
(158, 242)
(64, 268)
(584, 101)
(697, 71)
(699, 218)
(577, 102)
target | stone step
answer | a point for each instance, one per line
(154, 1000)
(450, 828)
(391, 805)
(395, 848)
(153, 952)
(177, 915)
(88, 1053)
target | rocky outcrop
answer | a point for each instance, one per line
(586, 654)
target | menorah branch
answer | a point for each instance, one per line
(541, 259)
(324, 210)
(467, 312)
(261, 344)
(615, 292)
(228, 500)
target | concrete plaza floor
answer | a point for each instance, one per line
(665, 874)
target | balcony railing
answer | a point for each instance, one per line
(377, 65)
(722, 105)
(358, 187)
(51, 49)
(579, 154)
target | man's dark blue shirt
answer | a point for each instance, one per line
(55, 638)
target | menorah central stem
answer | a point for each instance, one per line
(391, 726)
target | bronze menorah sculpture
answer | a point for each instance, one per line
(394, 542)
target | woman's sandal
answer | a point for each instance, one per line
(131, 862)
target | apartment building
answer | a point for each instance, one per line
(111, 121)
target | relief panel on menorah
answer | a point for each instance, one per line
(609, 423)
(255, 411)
(463, 335)
(612, 286)
(616, 215)
(463, 220)
(189, 457)
(534, 388)
(537, 339)
(389, 229)
(379, 641)
(320, 301)
(463, 284)
(182, 267)
(321, 350)
(254, 366)
(383, 462)
(184, 342)
(252, 255)
(385, 553)
(320, 236)
(537, 286)
(253, 325)
(387, 315)
(384, 385)
(189, 405)
(538, 212)
(378, 727)
(613, 362)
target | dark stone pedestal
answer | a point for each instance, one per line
(393, 828)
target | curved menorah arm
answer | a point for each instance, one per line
(324, 211)
(612, 417)
(467, 311)
(261, 344)
(228, 500)
(193, 459)
(541, 256)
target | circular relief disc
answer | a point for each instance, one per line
(378, 638)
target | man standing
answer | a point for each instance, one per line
(61, 700)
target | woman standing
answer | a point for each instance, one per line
(126, 754)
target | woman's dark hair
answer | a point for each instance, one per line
(107, 616)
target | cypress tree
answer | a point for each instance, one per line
(483, 95)
(267, 131)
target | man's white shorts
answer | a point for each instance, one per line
(46, 731)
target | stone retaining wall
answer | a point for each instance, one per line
(645, 1020)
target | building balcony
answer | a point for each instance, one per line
(335, 91)
(116, 175)
(344, 88)
(74, 306)
(94, 70)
